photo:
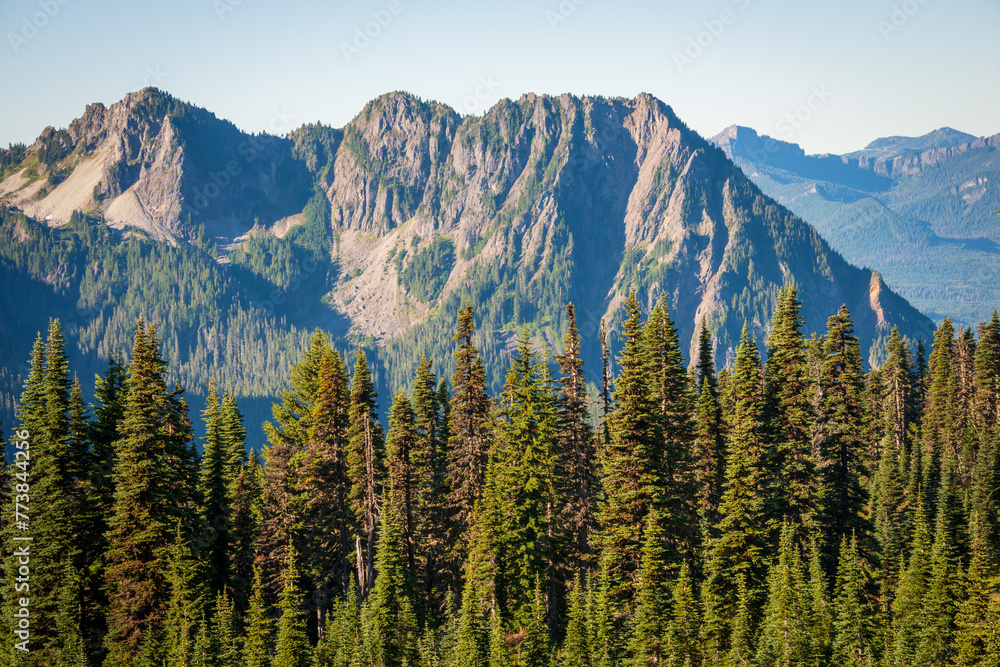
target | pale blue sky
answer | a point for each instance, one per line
(869, 68)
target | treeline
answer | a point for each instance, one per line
(795, 511)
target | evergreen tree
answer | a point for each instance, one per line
(429, 461)
(576, 644)
(673, 410)
(737, 555)
(365, 464)
(527, 476)
(784, 636)
(328, 519)
(227, 649)
(292, 646)
(786, 419)
(683, 643)
(650, 616)
(257, 643)
(632, 460)
(908, 606)
(534, 650)
(468, 430)
(938, 429)
(391, 614)
(216, 510)
(837, 427)
(987, 378)
(852, 645)
(742, 637)
(185, 608)
(978, 614)
(400, 451)
(153, 478)
(471, 647)
(937, 627)
(577, 456)
(499, 655)
(709, 447)
(819, 621)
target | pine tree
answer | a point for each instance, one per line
(908, 606)
(429, 461)
(153, 477)
(44, 414)
(281, 485)
(978, 613)
(650, 616)
(365, 464)
(683, 643)
(837, 427)
(577, 455)
(390, 611)
(576, 645)
(819, 621)
(216, 510)
(786, 419)
(709, 447)
(400, 444)
(324, 485)
(632, 460)
(673, 410)
(471, 641)
(534, 650)
(468, 430)
(257, 643)
(937, 626)
(784, 635)
(246, 528)
(987, 378)
(186, 605)
(227, 653)
(292, 647)
(499, 655)
(938, 429)
(737, 555)
(526, 475)
(742, 637)
(852, 645)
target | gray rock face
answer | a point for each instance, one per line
(545, 200)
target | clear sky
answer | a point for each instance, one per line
(830, 76)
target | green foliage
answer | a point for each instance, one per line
(427, 271)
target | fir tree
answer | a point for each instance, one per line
(325, 486)
(390, 611)
(527, 474)
(632, 460)
(257, 643)
(837, 427)
(365, 463)
(185, 608)
(650, 616)
(468, 430)
(709, 448)
(683, 643)
(292, 647)
(577, 456)
(908, 606)
(576, 644)
(737, 555)
(786, 419)
(784, 635)
(851, 613)
(153, 476)
(216, 511)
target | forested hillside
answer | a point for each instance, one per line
(238, 245)
(797, 511)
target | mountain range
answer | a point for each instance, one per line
(237, 245)
(920, 210)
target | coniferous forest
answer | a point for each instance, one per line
(792, 509)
